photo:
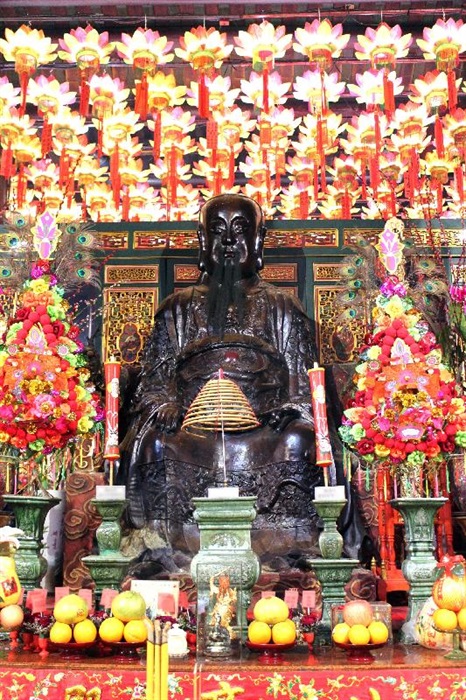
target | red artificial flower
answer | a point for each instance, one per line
(365, 447)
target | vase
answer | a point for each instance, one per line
(330, 540)
(30, 513)
(419, 566)
(109, 566)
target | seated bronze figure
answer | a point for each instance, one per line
(262, 339)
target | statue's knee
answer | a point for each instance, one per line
(298, 442)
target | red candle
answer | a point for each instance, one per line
(112, 393)
(323, 448)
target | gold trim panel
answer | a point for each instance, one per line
(337, 341)
(113, 240)
(131, 274)
(128, 319)
(326, 272)
(280, 272)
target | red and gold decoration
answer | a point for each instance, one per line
(112, 370)
(409, 156)
(319, 410)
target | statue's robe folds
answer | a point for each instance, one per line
(267, 353)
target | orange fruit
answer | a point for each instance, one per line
(462, 619)
(259, 632)
(359, 634)
(60, 633)
(111, 629)
(271, 610)
(378, 631)
(135, 631)
(284, 632)
(340, 633)
(445, 620)
(84, 632)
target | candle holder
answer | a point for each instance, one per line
(330, 540)
(109, 566)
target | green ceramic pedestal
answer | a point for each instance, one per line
(333, 575)
(225, 545)
(109, 566)
(419, 566)
(30, 513)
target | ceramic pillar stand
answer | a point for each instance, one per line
(419, 566)
(333, 575)
(30, 513)
(109, 566)
(330, 540)
(225, 546)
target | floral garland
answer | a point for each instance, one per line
(46, 398)
(405, 411)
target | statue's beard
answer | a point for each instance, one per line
(224, 290)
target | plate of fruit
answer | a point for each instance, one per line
(125, 631)
(271, 632)
(73, 633)
(359, 627)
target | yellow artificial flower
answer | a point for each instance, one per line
(85, 424)
(382, 451)
(4, 437)
(39, 286)
(81, 393)
(457, 405)
(374, 352)
(394, 307)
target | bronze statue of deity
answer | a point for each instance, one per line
(261, 338)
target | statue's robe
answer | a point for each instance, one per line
(267, 353)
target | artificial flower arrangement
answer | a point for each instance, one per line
(405, 413)
(47, 399)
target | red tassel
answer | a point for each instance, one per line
(363, 181)
(452, 91)
(315, 181)
(100, 138)
(439, 137)
(125, 205)
(84, 93)
(231, 169)
(377, 135)
(6, 162)
(203, 101)
(459, 180)
(374, 173)
(46, 138)
(212, 140)
(64, 169)
(439, 189)
(23, 82)
(346, 205)
(388, 95)
(172, 181)
(392, 202)
(22, 183)
(303, 204)
(157, 135)
(115, 175)
(265, 90)
(217, 181)
(140, 103)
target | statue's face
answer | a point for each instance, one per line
(232, 231)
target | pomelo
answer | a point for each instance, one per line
(70, 609)
(129, 605)
(271, 610)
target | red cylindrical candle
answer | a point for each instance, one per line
(112, 394)
(323, 448)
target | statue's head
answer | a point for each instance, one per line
(231, 227)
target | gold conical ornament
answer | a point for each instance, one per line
(220, 406)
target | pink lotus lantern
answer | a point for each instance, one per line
(444, 43)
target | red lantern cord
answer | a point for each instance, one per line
(265, 90)
(303, 204)
(157, 135)
(203, 98)
(452, 90)
(46, 138)
(140, 103)
(459, 179)
(7, 168)
(438, 128)
(84, 93)
(115, 175)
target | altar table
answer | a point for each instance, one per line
(397, 673)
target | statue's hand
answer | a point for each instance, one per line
(169, 416)
(279, 418)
